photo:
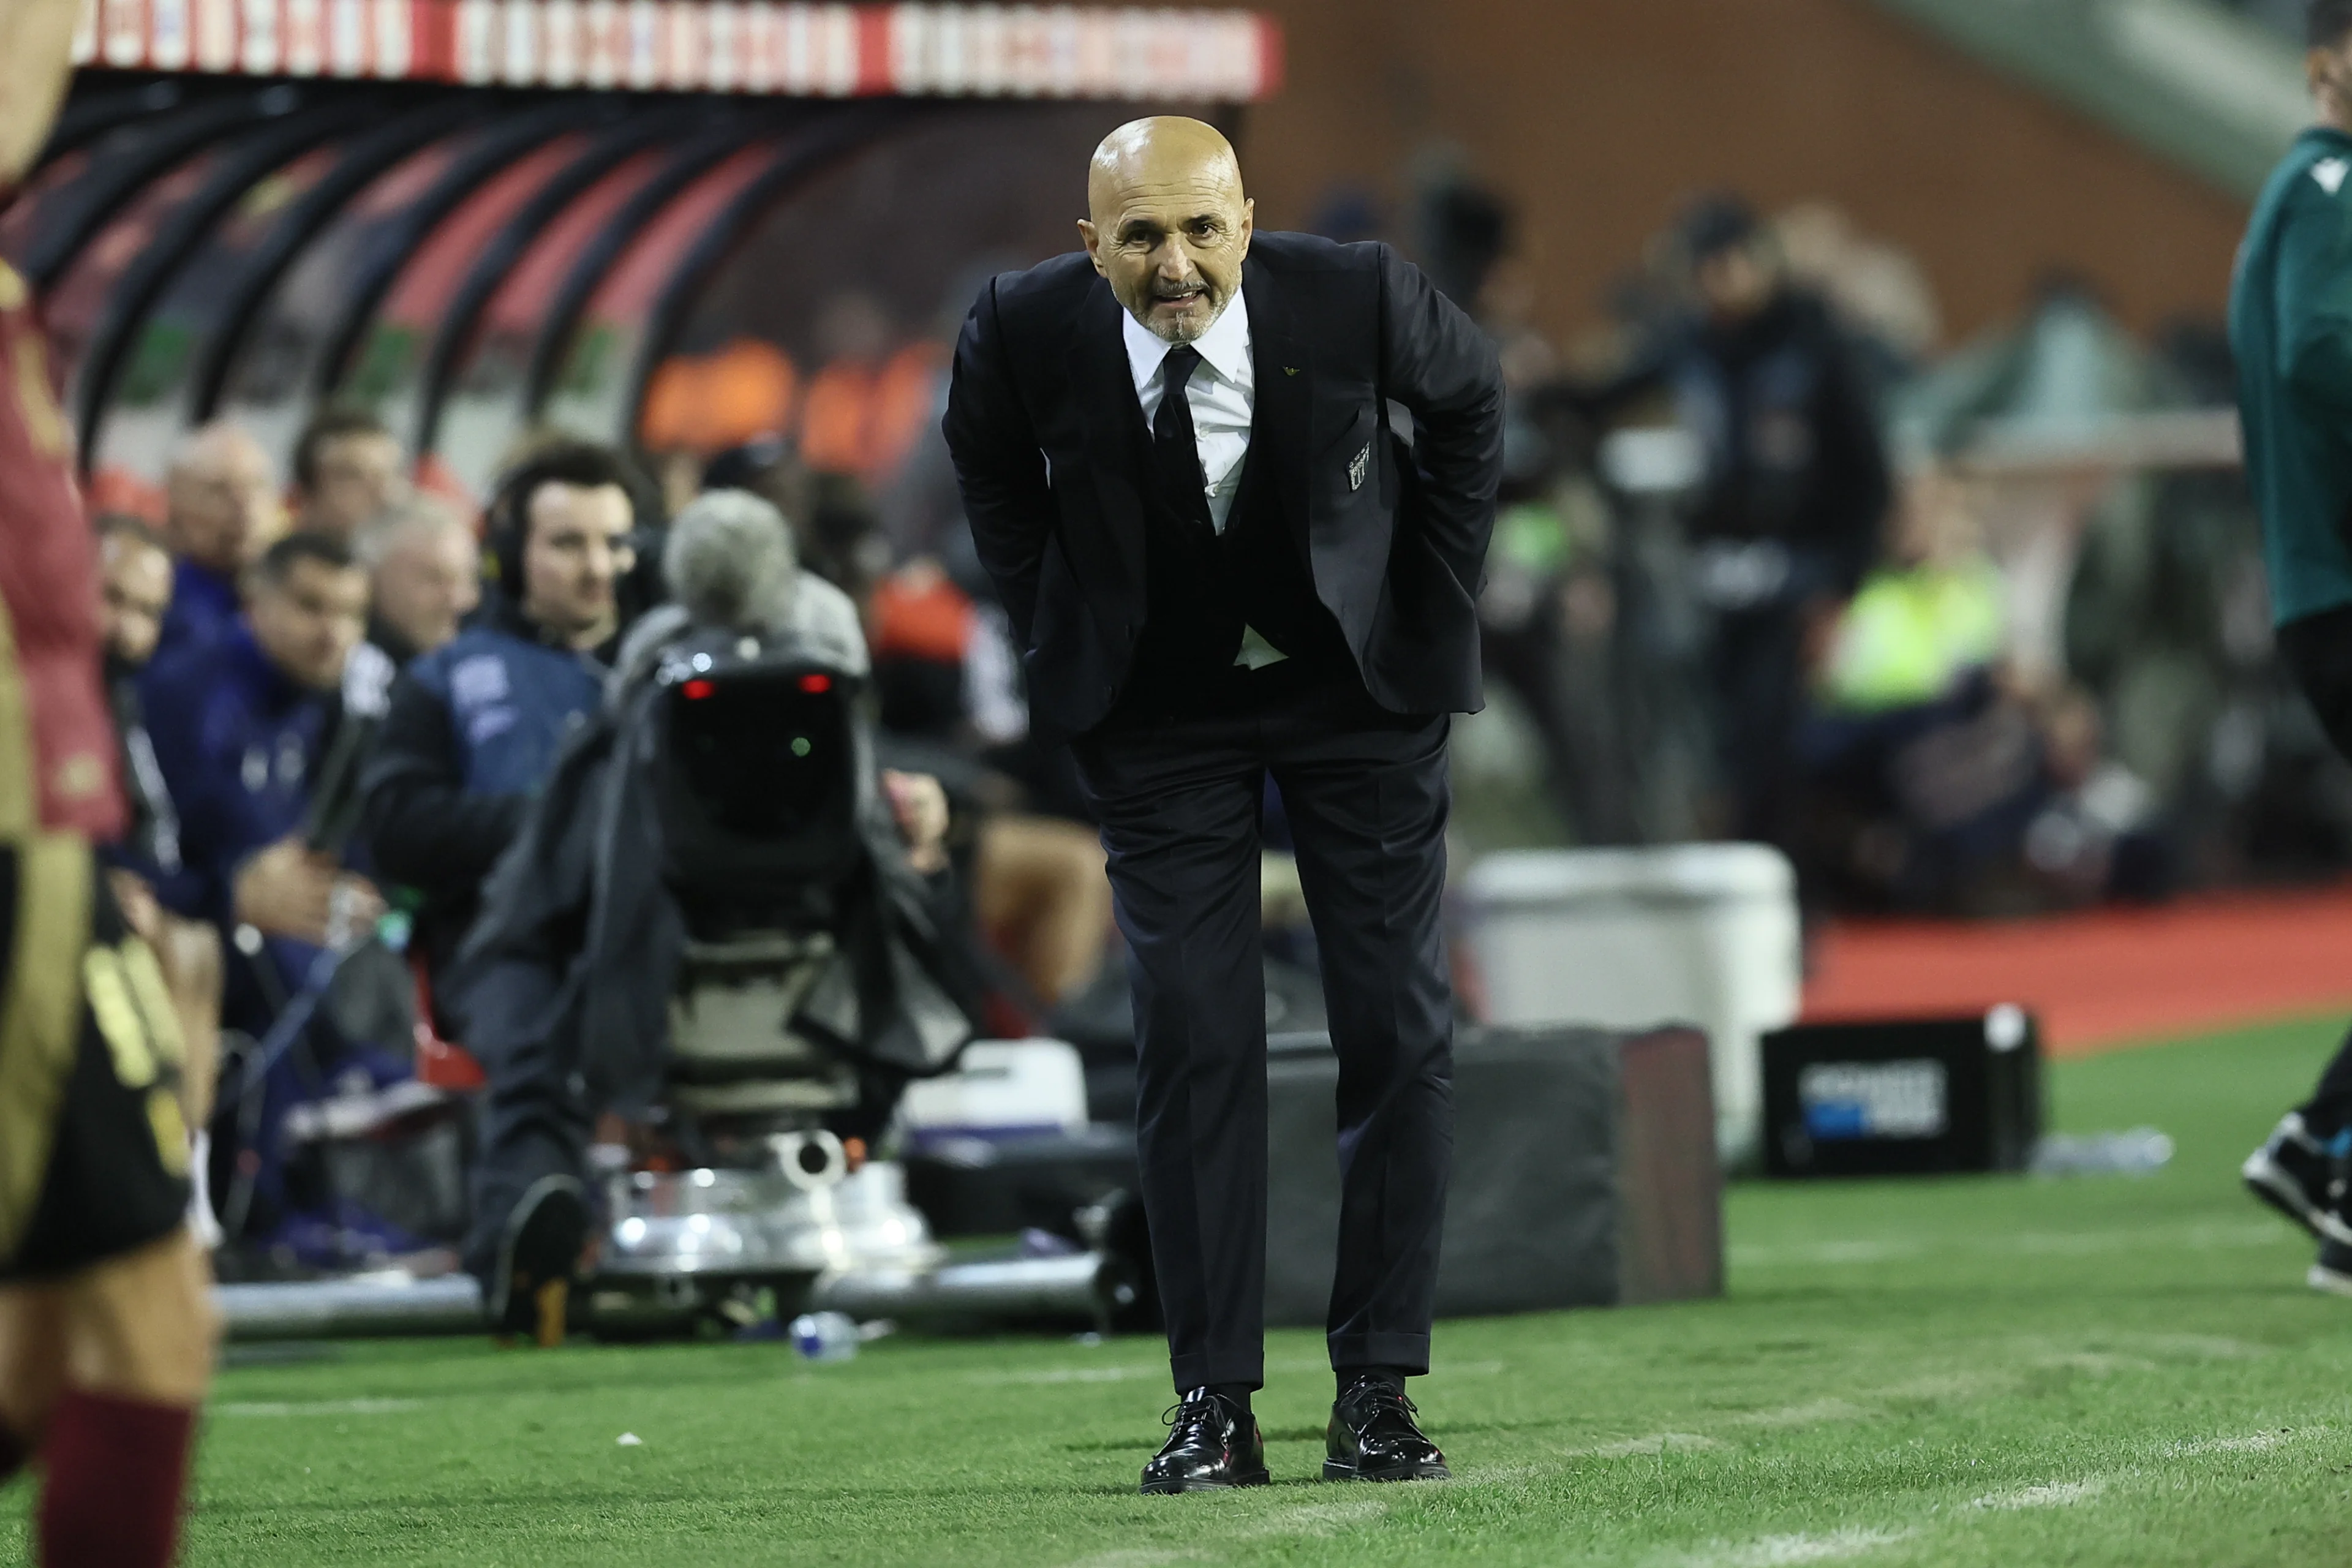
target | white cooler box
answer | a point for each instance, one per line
(1000, 1089)
(1624, 939)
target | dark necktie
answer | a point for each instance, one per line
(1173, 440)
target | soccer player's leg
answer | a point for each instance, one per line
(101, 1284)
(32, 1369)
(138, 1334)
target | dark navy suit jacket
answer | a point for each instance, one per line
(1395, 532)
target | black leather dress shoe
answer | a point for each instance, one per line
(1210, 1447)
(1372, 1438)
(531, 1293)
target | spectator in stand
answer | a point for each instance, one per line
(241, 728)
(425, 577)
(944, 673)
(238, 725)
(1786, 517)
(1938, 778)
(220, 510)
(475, 725)
(348, 471)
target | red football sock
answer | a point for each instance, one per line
(111, 1497)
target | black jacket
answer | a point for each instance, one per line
(1039, 419)
(1782, 411)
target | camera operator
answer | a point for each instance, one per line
(475, 724)
(566, 980)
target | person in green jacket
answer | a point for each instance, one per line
(2291, 330)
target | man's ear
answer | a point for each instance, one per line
(2323, 69)
(1093, 239)
(1249, 222)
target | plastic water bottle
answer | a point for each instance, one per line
(2137, 1152)
(825, 1336)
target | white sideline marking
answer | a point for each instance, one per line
(2246, 1443)
(1774, 1551)
(2214, 1347)
(2097, 1364)
(1071, 1375)
(1811, 1252)
(1943, 1386)
(1500, 1476)
(1812, 1413)
(1127, 1373)
(2061, 1244)
(1315, 1518)
(314, 1408)
(1655, 1443)
(2063, 1494)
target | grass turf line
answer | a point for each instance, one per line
(1961, 1371)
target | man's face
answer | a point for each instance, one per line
(575, 545)
(1735, 282)
(223, 508)
(427, 583)
(359, 480)
(135, 579)
(310, 622)
(1170, 226)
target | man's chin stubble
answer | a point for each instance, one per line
(1178, 329)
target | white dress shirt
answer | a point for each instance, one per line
(1223, 396)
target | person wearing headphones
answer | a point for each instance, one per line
(474, 726)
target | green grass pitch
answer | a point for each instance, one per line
(1963, 1372)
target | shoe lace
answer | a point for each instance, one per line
(1381, 1398)
(1191, 1412)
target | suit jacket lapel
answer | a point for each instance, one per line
(1284, 399)
(1106, 387)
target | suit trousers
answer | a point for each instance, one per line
(1179, 798)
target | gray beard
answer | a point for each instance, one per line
(1180, 332)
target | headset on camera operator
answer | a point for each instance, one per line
(718, 830)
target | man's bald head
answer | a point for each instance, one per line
(1169, 223)
(1158, 151)
(221, 496)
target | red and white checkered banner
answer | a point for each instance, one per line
(703, 46)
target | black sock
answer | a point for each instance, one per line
(1236, 1395)
(1346, 1376)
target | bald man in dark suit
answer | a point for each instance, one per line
(1184, 454)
